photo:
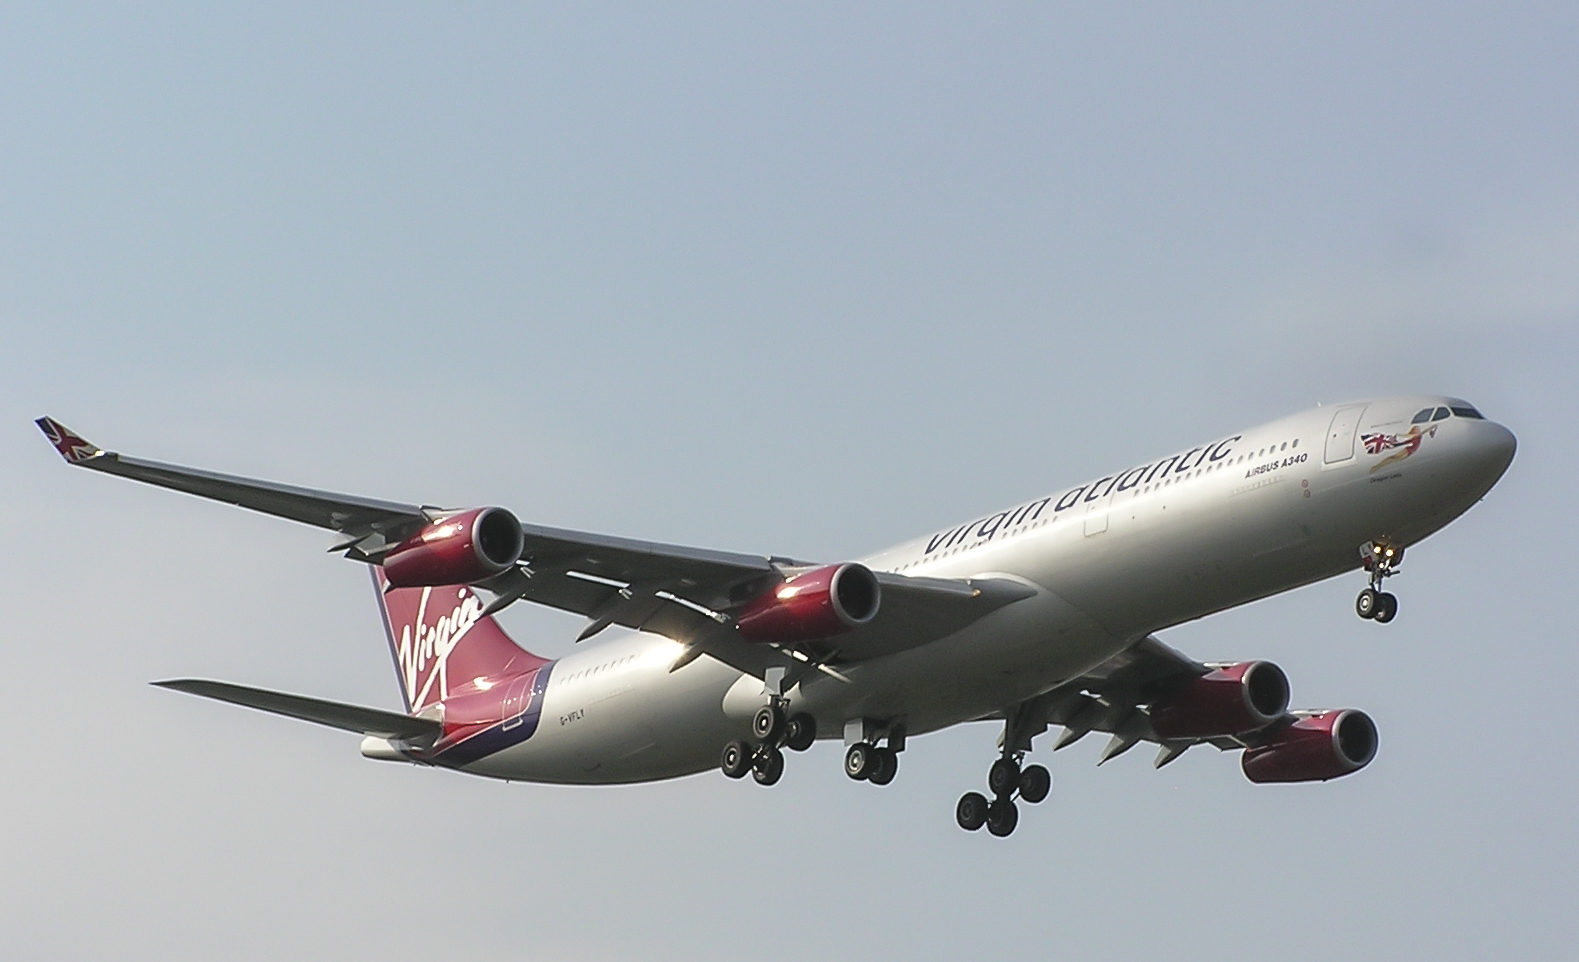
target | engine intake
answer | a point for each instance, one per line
(461, 549)
(1225, 701)
(815, 604)
(1314, 749)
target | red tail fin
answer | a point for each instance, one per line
(443, 644)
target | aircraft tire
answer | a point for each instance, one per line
(1003, 777)
(1035, 782)
(736, 760)
(887, 767)
(1365, 604)
(768, 766)
(1002, 816)
(767, 725)
(971, 812)
(799, 732)
(1386, 607)
(860, 761)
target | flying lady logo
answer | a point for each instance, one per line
(424, 656)
(1402, 445)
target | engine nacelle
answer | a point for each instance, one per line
(1224, 701)
(460, 550)
(1314, 749)
(815, 604)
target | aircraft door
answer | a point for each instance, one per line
(1340, 436)
(1097, 510)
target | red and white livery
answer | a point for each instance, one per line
(1044, 614)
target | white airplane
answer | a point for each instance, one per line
(1037, 615)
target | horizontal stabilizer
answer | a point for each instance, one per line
(351, 718)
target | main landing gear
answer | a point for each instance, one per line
(1006, 780)
(1382, 561)
(866, 762)
(772, 730)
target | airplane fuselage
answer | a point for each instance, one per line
(1111, 561)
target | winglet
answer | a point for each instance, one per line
(71, 446)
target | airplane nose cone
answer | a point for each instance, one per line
(1501, 445)
(1494, 449)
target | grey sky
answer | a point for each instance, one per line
(807, 281)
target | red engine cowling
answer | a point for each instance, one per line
(815, 604)
(1224, 701)
(459, 550)
(1314, 749)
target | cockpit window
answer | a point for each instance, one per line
(1422, 417)
(1440, 415)
(1465, 411)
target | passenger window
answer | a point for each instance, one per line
(1296, 442)
(1468, 412)
(1440, 415)
(1422, 417)
(1284, 447)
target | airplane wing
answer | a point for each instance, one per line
(351, 718)
(683, 593)
(391, 519)
(320, 508)
(1114, 697)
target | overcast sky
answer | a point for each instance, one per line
(805, 279)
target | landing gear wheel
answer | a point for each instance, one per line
(971, 812)
(887, 767)
(1365, 604)
(799, 732)
(1035, 783)
(768, 766)
(1003, 777)
(767, 725)
(1386, 607)
(860, 761)
(1002, 816)
(736, 760)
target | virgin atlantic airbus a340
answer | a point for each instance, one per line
(1039, 615)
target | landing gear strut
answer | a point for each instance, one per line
(1382, 561)
(1006, 780)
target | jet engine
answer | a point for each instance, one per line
(1313, 749)
(1224, 701)
(814, 604)
(461, 549)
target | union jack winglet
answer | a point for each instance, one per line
(70, 445)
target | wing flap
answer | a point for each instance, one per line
(351, 718)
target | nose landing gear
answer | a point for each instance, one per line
(1382, 561)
